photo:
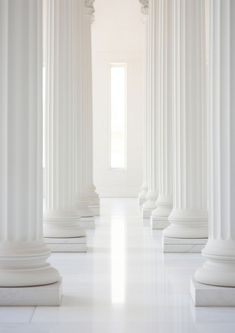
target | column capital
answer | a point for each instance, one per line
(145, 6)
(89, 6)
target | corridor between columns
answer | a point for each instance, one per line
(123, 284)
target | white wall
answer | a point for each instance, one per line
(118, 36)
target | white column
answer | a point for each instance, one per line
(153, 100)
(63, 49)
(23, 253)
(219, 268)
(164, 202)
(93, 197)
(144, 188)
(188, 229)
(87, 200)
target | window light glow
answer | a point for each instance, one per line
(118, 116)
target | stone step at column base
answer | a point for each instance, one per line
(95, 209)
(48, 295)
(207, 295)
(87, 222)
(74, 244)
(159, 224)
(146, 213)
(183, 245)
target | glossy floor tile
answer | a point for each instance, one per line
(123, 284)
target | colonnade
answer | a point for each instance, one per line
(70, 202)
(189, 178)
(189, 143)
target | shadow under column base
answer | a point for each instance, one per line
(183, 245)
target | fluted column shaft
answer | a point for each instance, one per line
(219, 268)
(22, 251)
(62, 105)
(144, 188)
(154, 27)
(85, 190)
(94, 200)
(189, 216)
(164, 115)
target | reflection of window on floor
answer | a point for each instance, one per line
(118, 116)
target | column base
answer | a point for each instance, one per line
(159, 218)
(95, 209)
(147, 209)
(141, 202)
(76, 244)
(183, 245)
(146, 213)
(142, 197)
(149, 205)
(86, 213)
(159, 223)
(63, 227)
(146, 222)
(187, 224)
(93, 198)
(48, 295)
(207, 295)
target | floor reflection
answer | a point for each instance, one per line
(118, 259)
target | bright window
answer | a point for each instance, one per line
(44, 112)
(118, 116)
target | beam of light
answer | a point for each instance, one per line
(118, 259)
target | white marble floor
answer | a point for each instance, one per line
(124, 284)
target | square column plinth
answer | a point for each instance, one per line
(87, 223)
(75, 244)
(207, 295)
(48, 295)
(183, 245)
(157, 224)
(95, 210)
